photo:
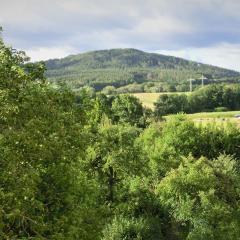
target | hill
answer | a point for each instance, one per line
(121, 67)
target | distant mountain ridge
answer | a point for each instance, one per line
(119, 58)
(119, 67)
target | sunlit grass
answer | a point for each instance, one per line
(219, 118)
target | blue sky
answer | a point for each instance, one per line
(202, 30)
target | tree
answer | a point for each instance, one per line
(207, 98)
(177, 137)
(128, 109)
(170, 104)
(109, 90)
(203, 195)
(114, 157)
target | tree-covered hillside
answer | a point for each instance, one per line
(121, 67)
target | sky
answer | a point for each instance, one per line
(206, 31)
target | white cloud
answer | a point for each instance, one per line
(223, 55)
(163, 25)
(38, 54)
(196, 27)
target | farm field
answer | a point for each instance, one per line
(148, 99)
(220, 118)
(227, 115)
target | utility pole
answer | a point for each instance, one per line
(202, 80)
(190, 84)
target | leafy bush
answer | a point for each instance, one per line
(220, 109)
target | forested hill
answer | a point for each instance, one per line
(126, 58)
(120, 67)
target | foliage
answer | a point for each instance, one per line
(41, 149)
(128, 109)
(169, 104)
(123, 228)
(114, 157)
(214, 96)
(204, 195)
(209, 98)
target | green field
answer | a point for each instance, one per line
(220, 118)
(215, 115)
(148, 99)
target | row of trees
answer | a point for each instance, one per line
(147, 87)
(209, 98)
(85, 166)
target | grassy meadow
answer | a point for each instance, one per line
(220, 118)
